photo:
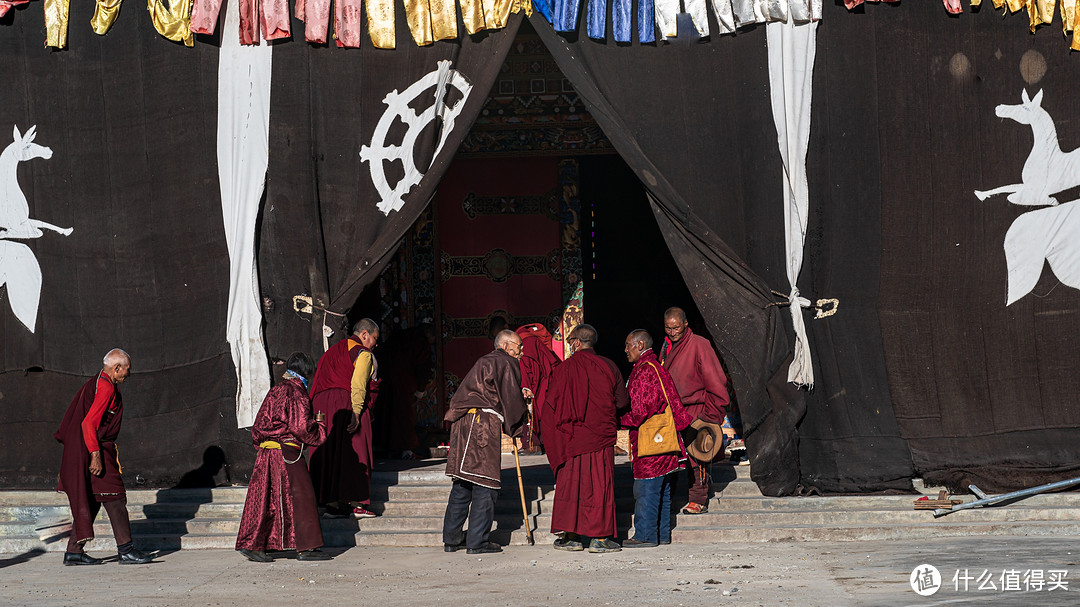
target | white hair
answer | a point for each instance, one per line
(504, 336)
(115, 356)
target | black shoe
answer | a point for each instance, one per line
(604, 545)
(565, 543)
(662, 543)
(632, 543)
(453, 547)
(313, 555)
(80, 558)
(136, 557)
(485, 548)
(257, 556)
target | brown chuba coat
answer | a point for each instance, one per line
(486, 404)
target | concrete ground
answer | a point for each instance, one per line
(817, 573)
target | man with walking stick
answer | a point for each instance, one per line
(488, 403)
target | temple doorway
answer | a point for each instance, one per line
(536, 209)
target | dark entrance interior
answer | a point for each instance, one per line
(535, 201)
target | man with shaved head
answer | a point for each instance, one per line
(89, 468)
(702, 386)
(345, 387)
(652, 391)
(578, 426)
(487, 404)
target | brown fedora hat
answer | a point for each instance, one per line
(708, 442)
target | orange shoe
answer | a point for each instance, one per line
(695, 508)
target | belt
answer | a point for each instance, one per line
(269, 444)
(491, 411)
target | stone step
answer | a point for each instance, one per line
(869, 520)
(430, 519)
(908, 532)
(516, 536)
(135, 497)
(879, 502)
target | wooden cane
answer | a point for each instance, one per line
(521, 492)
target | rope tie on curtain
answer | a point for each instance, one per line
(801, 371)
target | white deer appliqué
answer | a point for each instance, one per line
(1051, 234)
(19, 269)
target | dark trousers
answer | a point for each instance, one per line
(652, 509)
(699, 482)
(474, 502)
(118, 518)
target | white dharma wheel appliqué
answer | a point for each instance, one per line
(397, 106)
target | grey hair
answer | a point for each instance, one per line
(365, 324)
(502, 337)
(643, 336)
(115, 356)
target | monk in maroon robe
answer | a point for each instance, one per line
(537, 361)
(345, 388)
(486, 404)
(702, 387)
(280, 512)
(89, 468)
(584, 396)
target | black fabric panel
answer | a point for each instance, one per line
(850, 441)
(325, 106)
(130, 118)
(984, 393)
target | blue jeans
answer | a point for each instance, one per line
(652, 509)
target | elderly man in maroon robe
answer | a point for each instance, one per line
(344, 390)
(537, 361)
(488, 403)
(585, 394)
(89, 468)
(702, 387)
(652, 390)
(280, 512)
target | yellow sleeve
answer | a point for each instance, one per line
(362, 370)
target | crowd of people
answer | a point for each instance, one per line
(672, 403)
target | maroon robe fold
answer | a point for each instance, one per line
(280, 512)
(537, 362)
(76, 481)
(341, 467)
(581, 406)
(584, 501)
(700, 379)
(487, 403)
(580, 403)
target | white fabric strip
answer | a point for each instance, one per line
(725, 18)
(791, 74)
(699, 12)
(664, 12)
(243, 135)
